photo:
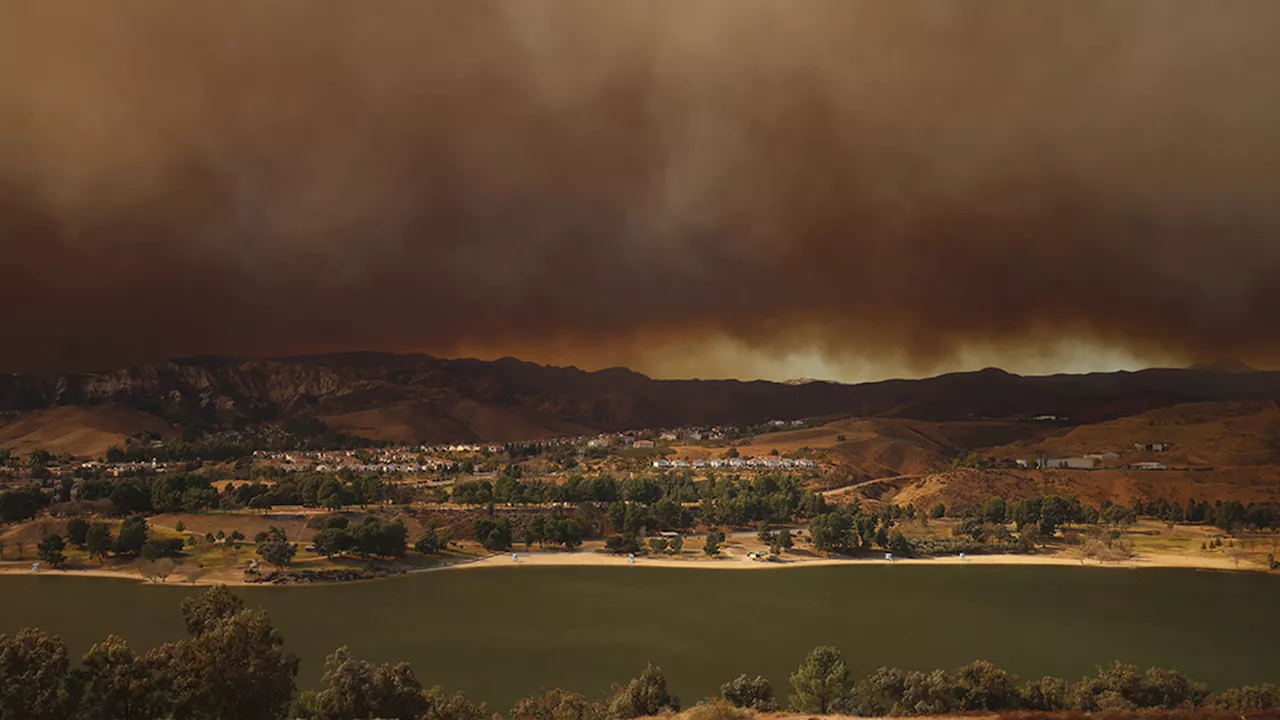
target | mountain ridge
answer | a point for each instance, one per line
(433, 398)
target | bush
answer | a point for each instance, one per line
(983, 686)
(646, 694)
(1249, 697)
(931, 693)
(1048, 694)
(557, 705)
(878, 693)
(624, 543)
(754, 693)
(718, 710)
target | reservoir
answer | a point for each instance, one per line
(503, 633)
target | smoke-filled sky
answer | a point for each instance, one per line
(841, 188)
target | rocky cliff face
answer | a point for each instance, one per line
(225, 390)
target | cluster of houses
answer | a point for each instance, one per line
(768, 462)
(398, 460)
(1097, 460)
(648, 439)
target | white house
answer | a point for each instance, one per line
(1149, 466)
(1073, 463)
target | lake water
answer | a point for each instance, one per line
(500, 634)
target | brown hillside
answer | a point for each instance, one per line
(1222, 434)
(81, 431)
(225, 390)
(884, 447)
(465, 420)
(969, 487)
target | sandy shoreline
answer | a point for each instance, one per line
(588, 558)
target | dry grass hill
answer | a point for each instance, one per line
(81, 431)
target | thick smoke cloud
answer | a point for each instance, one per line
(265, 178)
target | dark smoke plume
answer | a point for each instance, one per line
(263, 178)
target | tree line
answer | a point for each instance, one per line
(665, 502)
(97, 541)
(296, 434)
(232, 666)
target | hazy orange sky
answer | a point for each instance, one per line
(842, 189)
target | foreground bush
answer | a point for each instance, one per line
(558, 705)
(644, 695)
(719, 710)
(752, 693)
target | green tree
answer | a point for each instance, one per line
(235, 668)
(33, 676)
(119, 684)
(133, 536)
(277, 553)
(1048, 694)
(764, 532)
(657, 545)
(832, 532)
(675, 545)
(644, 695)
(355, 689)
(900, 545)
(98, 541)
(983, 686)
(332, 541)
(1170, 690)
(782, 541)
(754, 693)
(880, 692)
(493, 533)
(1054, 511)
(932, 693)
(821, 683)
(938, 511)
(77, 531)
(429, 542)
(712, 545)
(211, 607)
(50, 549)
(1116, 687)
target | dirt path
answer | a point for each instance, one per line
(587, 558)
(595, 559)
